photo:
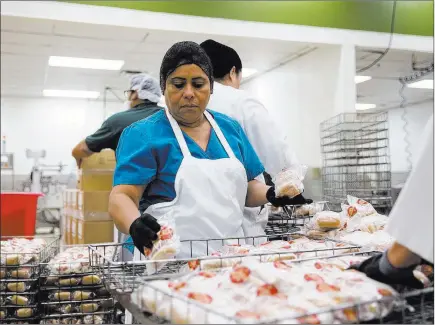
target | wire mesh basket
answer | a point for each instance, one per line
(71, 292)
(356, 159)
(289, 219)
(119, 271)
(21, 259)
(408, 307)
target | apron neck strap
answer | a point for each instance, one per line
(219, 134)
(178, 134)
(182, 141)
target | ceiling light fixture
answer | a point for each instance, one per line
(71, 93)
(84, 63)
(363, 107)
(248, 72)
(359, 79)
(422, 84)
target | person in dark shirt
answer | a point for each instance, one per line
(142, 99)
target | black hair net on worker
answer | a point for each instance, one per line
(182, 53)
(223, 58)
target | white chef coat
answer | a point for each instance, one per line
(269, 142)
(411, 220)
(265, 136)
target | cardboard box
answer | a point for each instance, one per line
(92, 232)
(93, 206)
(101, 161)
(91, 181)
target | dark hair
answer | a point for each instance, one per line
(182, 53)
(223, 58)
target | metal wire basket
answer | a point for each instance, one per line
(71, 292)
(409, 307)
(289, 219)
(119, 274)
(19, 276)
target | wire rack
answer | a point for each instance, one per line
(19, 274)
(119, 274)
(409, 307)
(70, 292)
(356, 159)
(289, 219)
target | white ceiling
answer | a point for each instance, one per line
(26, 45)
(383, 88)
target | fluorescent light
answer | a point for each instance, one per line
(83, 63)
(363, 107)
(422, 84)
(71, 93)
(247, 72)
(359, 79)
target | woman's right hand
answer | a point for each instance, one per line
(144, 231)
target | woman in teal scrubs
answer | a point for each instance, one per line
(193, 164)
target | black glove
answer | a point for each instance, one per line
(283, 201)
(404, 277)
(144, 231)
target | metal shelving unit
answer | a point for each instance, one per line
(356, 159)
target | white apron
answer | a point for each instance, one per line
(210, 197)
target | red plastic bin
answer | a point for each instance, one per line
(18, 213)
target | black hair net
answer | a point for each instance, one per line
(182, 53)
(222, 57)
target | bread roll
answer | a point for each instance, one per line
(327, 220)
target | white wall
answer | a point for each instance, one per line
(55, 125)
(301, 95)
(416, 117)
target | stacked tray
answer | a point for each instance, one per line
(19, 272)
(71, 293)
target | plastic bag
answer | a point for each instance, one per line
(370, 224)
(18, 300)
(18, 286)
(167, 246)
(289, 181)
(326, 220)
(357, 207)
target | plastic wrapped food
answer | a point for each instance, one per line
(76, 260)
(17, 300)
(24, 312)
(69, 282)
(370, 223)
(93, 319)
(82, 295)
(60, 296)
(356, 207)
(254, 292)
(327, 220)
(66, 309)
(17, 286)
(289, 181)
(88, 308)
(18, 251)
(91, 280)
(2, 314)
(22, 273)
(274, 210)
(165, 247)
(3, 273)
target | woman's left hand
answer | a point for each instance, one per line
(284, 200)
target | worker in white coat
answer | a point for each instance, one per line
(269, 142)
(411, 224)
